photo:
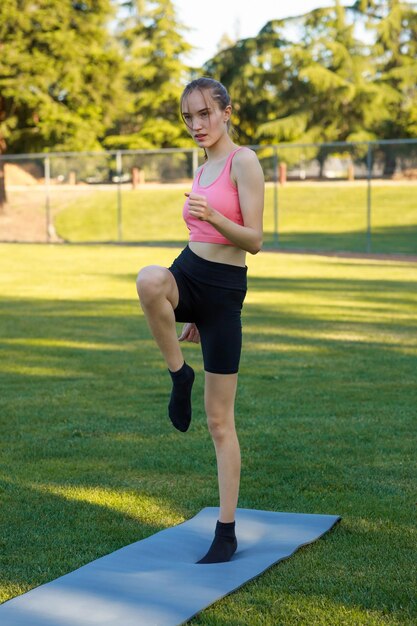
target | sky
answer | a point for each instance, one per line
(211, 19)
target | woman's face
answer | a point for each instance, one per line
(205, 121)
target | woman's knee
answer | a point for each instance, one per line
(151, 283)
(220, 425)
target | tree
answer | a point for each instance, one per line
(59, 75)
(394, 54)
(154, 49)
(395, 57)
(313, 78)
(332, 96)
(252, 70)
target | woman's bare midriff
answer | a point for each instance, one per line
(218, 253)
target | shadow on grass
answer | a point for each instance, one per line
(369, 291)
(389, 240)
(49, 535)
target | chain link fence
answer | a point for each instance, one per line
(334, 197)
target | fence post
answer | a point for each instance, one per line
(369, 201)
(195, 161)
(47, 172)
(276, 167)
(119, 195)
(282, 173)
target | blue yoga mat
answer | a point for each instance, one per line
(156, 582)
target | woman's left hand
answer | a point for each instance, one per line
(198, 207)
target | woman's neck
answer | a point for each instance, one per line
(220, 150)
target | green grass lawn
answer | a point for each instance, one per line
(318, 217)
(326, 414)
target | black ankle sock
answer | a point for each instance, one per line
(224, 544)
(179, 408)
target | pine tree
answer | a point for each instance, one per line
(59, 75)
(395, 57)
(252, 70)
(394, 54)
(313, 78)
(332, 95)
(154, 50)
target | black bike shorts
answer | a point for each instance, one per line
(211, 296)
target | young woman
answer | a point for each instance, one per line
(206, 285)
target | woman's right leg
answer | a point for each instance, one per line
(158, 295)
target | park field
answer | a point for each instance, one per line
(326, 416)
(321, 216)
(325, 216)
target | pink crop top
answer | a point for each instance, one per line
(223, 196)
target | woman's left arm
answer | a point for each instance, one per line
(250, 182)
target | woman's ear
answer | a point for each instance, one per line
(227, 112)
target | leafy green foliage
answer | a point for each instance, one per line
(59, 74)
(103, 74)
(395, 56)
(153, 48)
(316, 78)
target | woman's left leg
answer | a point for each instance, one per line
(221, 341)
(219, 396)
(219, 399)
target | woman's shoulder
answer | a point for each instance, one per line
(244, 155)
(245, 158)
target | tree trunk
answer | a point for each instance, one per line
(3, 147)
(3, 195)
(390, 162)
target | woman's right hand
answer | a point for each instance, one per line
(189, 333)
